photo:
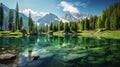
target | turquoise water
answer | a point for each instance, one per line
(67, 51)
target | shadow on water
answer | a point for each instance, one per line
(66, 51)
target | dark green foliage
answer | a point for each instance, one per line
(1, 15)
(35, 29)
(66, 28)
(17, 17)
(30, 23)
(93, 20)
(99, 23)
(61, 25)
(111, 17)
(51, 26)
(82, 24)
(108, 20)
(107, 24)
(87, 24)
(73, 26)
(20, 23)
(58, 27)
(10, 20)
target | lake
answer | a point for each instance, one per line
(62, 51)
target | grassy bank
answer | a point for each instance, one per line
(10, 34)
(106, 34)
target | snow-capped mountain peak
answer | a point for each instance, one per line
(49, 18)
(76, 16)
(69, 17)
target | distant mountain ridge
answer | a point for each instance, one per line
(69, 17)
(48, 18)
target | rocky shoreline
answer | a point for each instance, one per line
(9, 57)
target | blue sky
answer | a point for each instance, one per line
(59, 7)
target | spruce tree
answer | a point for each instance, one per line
(99, 23)
(17, 17)
(107, 24)
(20, 23)
(59, 27)
(10, 20)
(1, 15)
(30, 23)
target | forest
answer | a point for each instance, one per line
(109, 20)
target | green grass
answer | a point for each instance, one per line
(106, 34)
(60, 33)
(94, 33)
(111, 34)
(15, 33)
(10, 34)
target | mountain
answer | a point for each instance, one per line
(75, 16)
(48, 18)
(69, 17)
(6, 16)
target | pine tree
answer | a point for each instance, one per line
(86, 25)
(1, 15)
(58, 26)
(17, 17)
(79, 25)
(92, 22)
(66, 28)
(61, 25)
(10, 20)
(82, 25)
(107, 24)
(30, 23)
(50, 26)
(99, 23)
(20, 23)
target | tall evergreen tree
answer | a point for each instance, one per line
(17, 17)
(99, 22)
(79, 25)
(20, 23)
(107, 24)
(87, 26)
(58, 26)
(1, 15)
(10, 20)
(30, 23)
(61, 25)
(50, 26)
(66, 28)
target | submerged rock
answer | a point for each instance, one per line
(35, 57)
(7, 56)
(3, 48)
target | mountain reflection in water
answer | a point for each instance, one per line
(67, 51)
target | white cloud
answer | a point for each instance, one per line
(26, 12)
(69, 7)
(43, 13)
(35, 15)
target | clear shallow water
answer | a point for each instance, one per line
(67, 51)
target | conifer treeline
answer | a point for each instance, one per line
(109, 20)
(18, 24)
